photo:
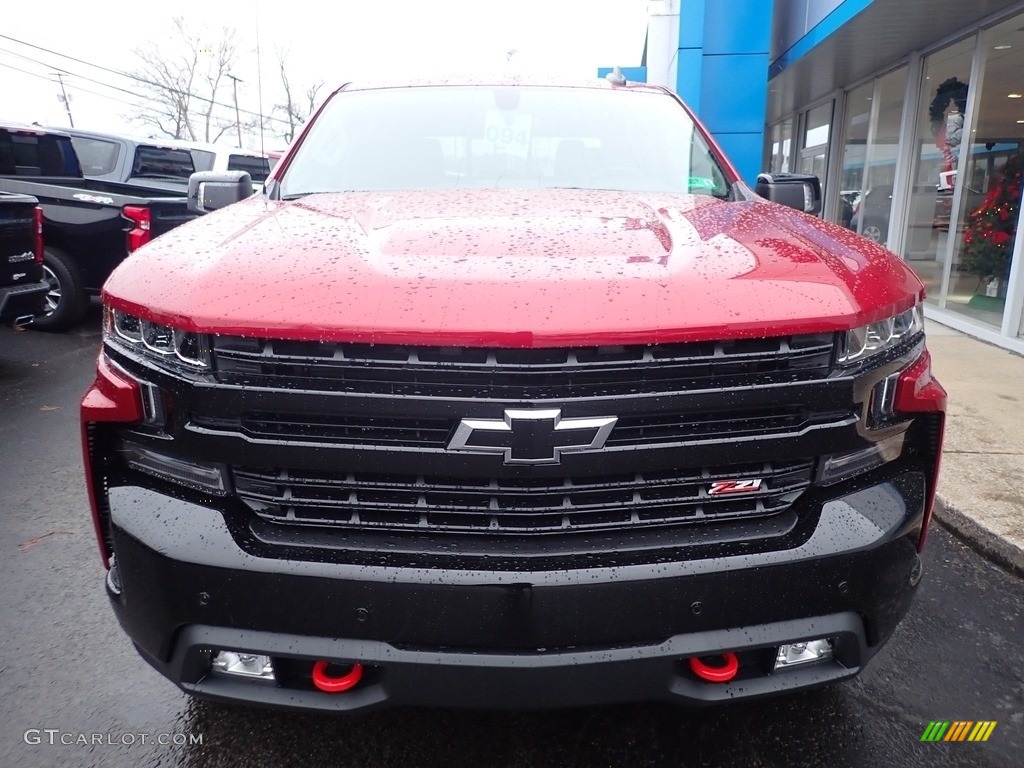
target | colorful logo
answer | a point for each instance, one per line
(958, 730)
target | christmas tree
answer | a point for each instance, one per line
(988, 236)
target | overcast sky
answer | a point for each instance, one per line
(335, 42)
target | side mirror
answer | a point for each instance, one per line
(211, 190)
(794, 190)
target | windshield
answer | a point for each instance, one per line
(465, 137)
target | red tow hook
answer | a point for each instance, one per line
(341, 684)
(721, 674)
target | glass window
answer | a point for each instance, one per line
(872, 217)
(855, 148)
(27, 153)
(202, 159)
(814, 147)
(936, 152)
(817, 125)
(781, 146)
(258, 168)
(990, 190)
(162, 163)
(511, 137)
(97, 156)
(871, 145)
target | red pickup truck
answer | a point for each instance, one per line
(510, 394)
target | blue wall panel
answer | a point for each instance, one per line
(738, 26)
(691, 23)
(690, 57)
(745, 150)
(722, 73)
(735, 92)
(690, 67)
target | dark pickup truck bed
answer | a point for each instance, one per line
(22, 287)
(89, 226)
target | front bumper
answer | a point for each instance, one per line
(185, 588)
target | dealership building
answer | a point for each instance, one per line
(910, 111)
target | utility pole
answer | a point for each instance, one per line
(238, 121)
(64, 97)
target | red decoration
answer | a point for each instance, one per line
(989, 234)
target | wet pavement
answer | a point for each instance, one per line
(66, 667)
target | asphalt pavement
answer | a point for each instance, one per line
(68, 673)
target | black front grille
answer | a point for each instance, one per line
(504, 505)
(360, 429)
(544, 373)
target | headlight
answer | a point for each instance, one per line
(160, 343)
(861, 343)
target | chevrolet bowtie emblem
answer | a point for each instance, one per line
(532, 437)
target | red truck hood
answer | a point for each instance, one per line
(511, 267)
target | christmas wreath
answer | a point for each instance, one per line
(954, 90)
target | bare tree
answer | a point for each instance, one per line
(295, 112)
(311, 93)
(222, 59)
(182, 77)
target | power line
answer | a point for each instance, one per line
(130, 76)
(78, 88)
(73, 74)
(25, 71)
(140, 97)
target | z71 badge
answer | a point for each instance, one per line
(725, 487)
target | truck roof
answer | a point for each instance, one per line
(222, 148)
(79, 132)
(498, 79)
(39, 130)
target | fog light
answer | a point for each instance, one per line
(239, 664)
(201, 477)
(808, 652)
(846, 465)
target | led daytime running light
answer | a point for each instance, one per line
(862, 343)
(159, 342)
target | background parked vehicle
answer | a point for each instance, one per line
(22, 287)
(215, 157)
(847, 199)
(139, 162)
(873, 209)
(89, 225)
